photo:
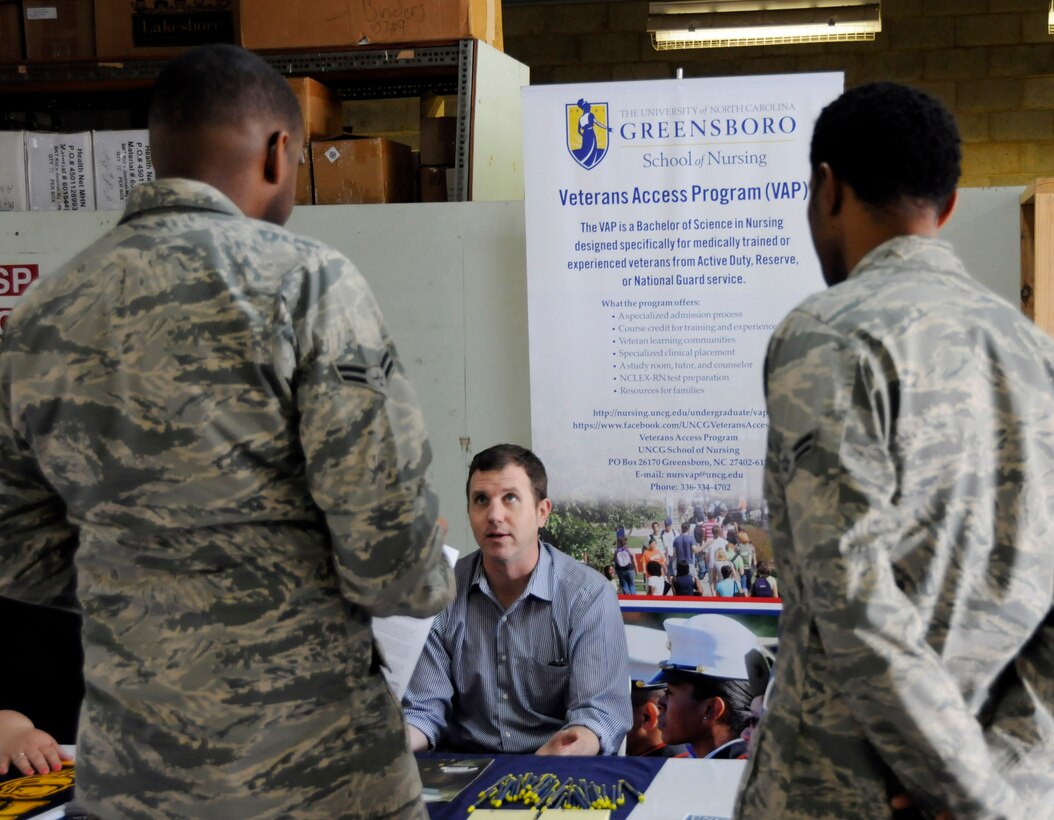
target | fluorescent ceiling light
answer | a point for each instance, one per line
(721, 23)
(1050, 18)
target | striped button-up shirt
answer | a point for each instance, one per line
(505, 680)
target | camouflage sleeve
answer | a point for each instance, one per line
(37, 543)
(365, 447)
(832, 417)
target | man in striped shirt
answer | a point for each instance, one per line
(531, 655)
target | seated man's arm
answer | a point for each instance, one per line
(574, 740)
(598, 702)
(366, 450)
(429, 695)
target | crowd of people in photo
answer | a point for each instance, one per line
(713, 555)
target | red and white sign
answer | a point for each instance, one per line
(16, 279)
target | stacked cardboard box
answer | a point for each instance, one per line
(161, 28)
(72, 172)
(121, 160)
(13, 195)
(293, 24)
(323, 116)
(357, 170)
(58, 30)
(59, 172)
(11, 31)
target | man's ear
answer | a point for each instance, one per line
(276, 164)
(829, 190)
(545, 506)
(946, 212)
(651, 715)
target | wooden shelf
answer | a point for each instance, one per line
(1037, 253)
(53, 92)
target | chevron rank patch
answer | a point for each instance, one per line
(374, 376)
(791, 456)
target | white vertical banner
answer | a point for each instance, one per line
(666, 237)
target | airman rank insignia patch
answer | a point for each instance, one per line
(373, 376)
(790, 456)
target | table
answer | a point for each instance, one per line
(672, 787)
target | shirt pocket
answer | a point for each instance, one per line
(546, 686)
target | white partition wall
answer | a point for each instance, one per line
(451, 280)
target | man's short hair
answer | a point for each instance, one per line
(501, 456)
(221, 85)
(891, 143)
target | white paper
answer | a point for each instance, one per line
(402, 640)
(713, 791)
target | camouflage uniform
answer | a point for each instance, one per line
(910, 475)
(208, 410)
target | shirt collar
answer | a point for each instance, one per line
(691, 751)
(541, 583)
(900, 247)
(164, 194)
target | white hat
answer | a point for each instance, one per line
(711, 645)
(647, 651)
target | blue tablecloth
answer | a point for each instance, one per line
(638, 771)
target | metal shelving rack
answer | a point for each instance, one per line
(373, 73)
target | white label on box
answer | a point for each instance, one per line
(43, 13)
(59, 172)
(122, 162)
(332, 154)
(13, 171)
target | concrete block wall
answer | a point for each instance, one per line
(990, 61)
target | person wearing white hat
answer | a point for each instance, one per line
(707, 696)
(647, 650)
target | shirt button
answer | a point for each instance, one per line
(504, 695)
(503, 659)
(504, 618)
(508, 734)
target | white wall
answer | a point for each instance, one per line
(451, 280)
(985, 229)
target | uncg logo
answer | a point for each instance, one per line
(587, 132)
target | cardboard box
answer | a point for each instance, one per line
(59, 172)
(355, 170)
(305, 191)
(320, 106)
(433, 184)
(58, 30)
(11, 31)
(285, 24)
(323, 114)
(438, 140)
(121, 160)
(162, 28)
(13, 195)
